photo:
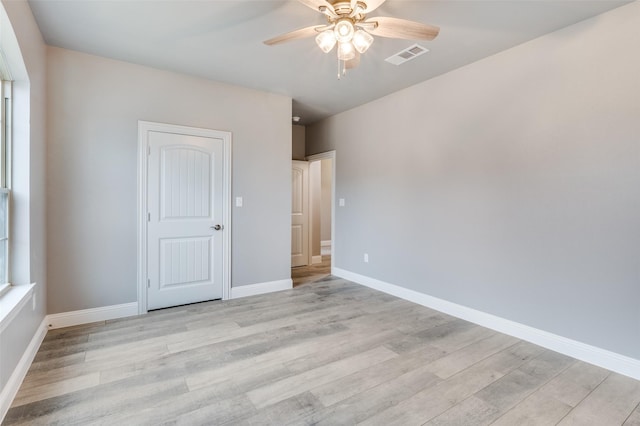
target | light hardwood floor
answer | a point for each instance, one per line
(327, 353)
(310, 273)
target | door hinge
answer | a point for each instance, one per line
(148, 283)
(148, 150)
(148, 216)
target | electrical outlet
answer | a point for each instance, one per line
(366, 258)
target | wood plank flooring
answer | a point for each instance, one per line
(310, 273)
(325, 353)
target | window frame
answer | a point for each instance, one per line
(5, 175)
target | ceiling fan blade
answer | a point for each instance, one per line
(295, 35)
(401, 28)
(372, 5)
(318, 4)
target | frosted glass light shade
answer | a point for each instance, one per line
(326, 40)
(362, 40)
(346, 51)
(344, 31)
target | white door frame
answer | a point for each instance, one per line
(306, 210)
(329, 155)
(143, 151)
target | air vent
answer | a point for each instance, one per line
(407, 54)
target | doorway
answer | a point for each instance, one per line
(300, 214)
(184, 229)
(321, 237)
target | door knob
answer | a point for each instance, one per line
(217, 227)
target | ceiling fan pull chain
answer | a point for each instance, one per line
(342, 68)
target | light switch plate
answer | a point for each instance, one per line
(341, 202)
(238, 201)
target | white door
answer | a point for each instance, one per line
(185, 210)
(299, 213)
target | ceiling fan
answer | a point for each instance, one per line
(349, 28)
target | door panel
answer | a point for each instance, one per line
(184, 261)
(185, 186)
(299, 213)
(185, 202)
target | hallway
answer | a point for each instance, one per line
(310, 273)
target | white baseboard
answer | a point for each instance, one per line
(86, 316)
(316, 259)
(15, 381)
(261, 288)
(325, 248)
(601, 357)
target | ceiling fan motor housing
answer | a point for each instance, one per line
(343, 8)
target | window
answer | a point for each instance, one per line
(5, 181)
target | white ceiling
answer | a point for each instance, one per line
(222, 40)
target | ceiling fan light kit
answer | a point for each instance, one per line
(348, 39)
(349, 28)
(362, 40)
(346, 51)
(326, 40)
(344, 30)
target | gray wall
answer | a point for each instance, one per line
(325, 209)
(94, 107)
(25, 51)
(510, 185)
(320, 203)
(297, 142)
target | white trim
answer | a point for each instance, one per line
(330, 155)
(142, 226)
(601, 357)
(325, 247)
(12, 301)
(4, 288)
(311, 207)
(10, 390)
(86, 316)
(5, 71)
(261, 288)
(316, 259)
(143, 128)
